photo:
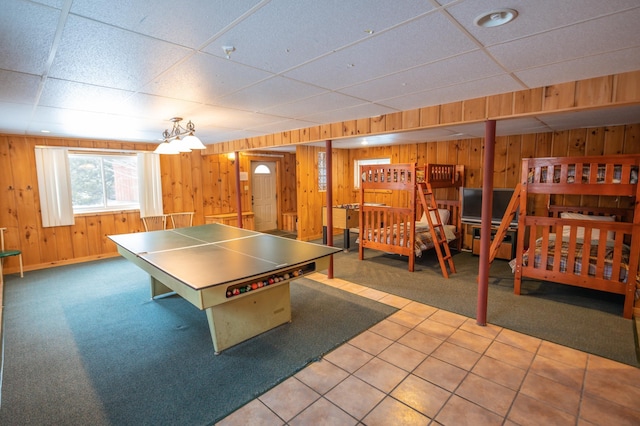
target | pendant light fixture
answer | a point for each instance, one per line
(173, 144)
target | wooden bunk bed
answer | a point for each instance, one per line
(421, 223)
(591, 247)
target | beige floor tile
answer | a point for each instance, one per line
(469, 340)
(499, 372)
(390, 412)
(456, 355)
(373, 294)
(518, 340)
(435, 329)
(421, 362)
(552, 393)
(449, 318)
(321, 376)
(335, 283)
(420, 309)
(405, 318)
(253, 413)
(557, 371)
(289, 398)
(460, 412)
(355, 396)
(371, 342)
(402, 356)
(348, 357)
(421, 395)
(605, 413)
(510, 354)
(487, 394)
(420, 342)
(527, 411)
(322, 412)
(441, 373)
(353, 288)
(390, 329)
(381, 374)
(489, 331)
(605, 386)
(563, 354)
(618, 372)
(395, 301)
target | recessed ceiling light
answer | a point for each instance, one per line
(45, 131)
(495, 18)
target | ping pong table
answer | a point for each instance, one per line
(239, 277)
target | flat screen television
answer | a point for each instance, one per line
(472, 205)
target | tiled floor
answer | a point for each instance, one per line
(426, 366)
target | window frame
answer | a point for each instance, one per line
(366, 162)
(105, 207)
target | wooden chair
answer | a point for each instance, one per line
(182, 219)
(8, 253)
(155, 223)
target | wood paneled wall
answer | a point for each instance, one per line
(190, 182)
(509, 152)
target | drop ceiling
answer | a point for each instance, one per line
(243, 68)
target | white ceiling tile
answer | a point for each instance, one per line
(204, 78)
(273, 91)
(582, 68)
(533, 17)
(15, 117)
(324, 102)
(126, 68)
(107, 56)
(412, 44)
(438, 74)
(18, 87)
(467, 90)
(79, 96)
(610, 33)
(353, 112)
(188, 23)
(26, 43)
(286, 33)
(94, 125)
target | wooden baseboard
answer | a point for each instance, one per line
(54, 264)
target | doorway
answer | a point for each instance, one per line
(264, 200)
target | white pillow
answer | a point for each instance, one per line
(595, 234)
(444, 216)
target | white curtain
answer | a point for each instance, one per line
(149, 184)
(54, 186)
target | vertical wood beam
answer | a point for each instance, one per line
(328, 164)
(485, 227)
(238, 193)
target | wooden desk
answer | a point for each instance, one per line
(507, 249)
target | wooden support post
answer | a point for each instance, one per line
(238, 192)
(328, 164)
(485, 229)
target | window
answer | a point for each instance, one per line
(366, 162)
(322, 171)
(103, 182)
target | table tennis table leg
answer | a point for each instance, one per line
(158, 288)
(248, 316)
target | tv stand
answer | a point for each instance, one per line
(507, 249)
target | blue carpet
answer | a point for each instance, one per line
(84, 344)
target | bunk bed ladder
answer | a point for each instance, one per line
(512, 208)
(429, 204)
